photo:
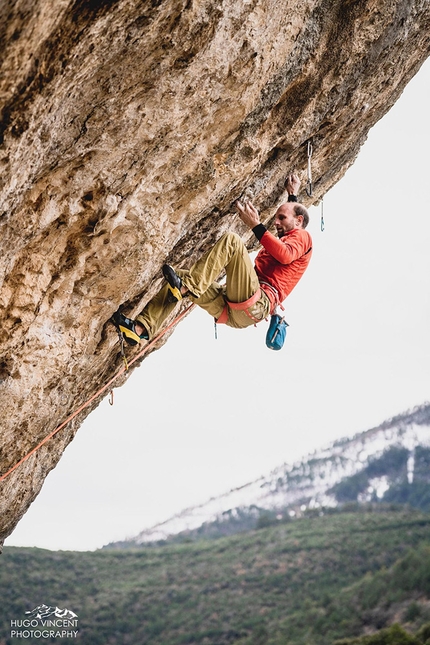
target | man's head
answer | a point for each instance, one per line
(290, 216)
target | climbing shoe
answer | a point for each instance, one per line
(174, 282)
(127, 328)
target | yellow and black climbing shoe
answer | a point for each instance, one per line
(126, 326)
(174, 282)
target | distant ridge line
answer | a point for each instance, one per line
(309, 482)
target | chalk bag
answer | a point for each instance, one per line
(276, 333)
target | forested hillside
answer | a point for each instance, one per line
(314, 581)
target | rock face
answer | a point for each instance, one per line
(128, 129)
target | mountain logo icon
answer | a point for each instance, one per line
(42, 612)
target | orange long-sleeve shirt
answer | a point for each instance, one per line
(282, 262)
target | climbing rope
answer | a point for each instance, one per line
(322, 215)
(97, 394)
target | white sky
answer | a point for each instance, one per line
(202, 416)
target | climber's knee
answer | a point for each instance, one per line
(232, 238)
(231, 241)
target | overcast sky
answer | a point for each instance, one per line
(202, 416)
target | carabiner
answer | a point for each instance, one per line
(322, 215)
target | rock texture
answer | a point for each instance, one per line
(128, 129)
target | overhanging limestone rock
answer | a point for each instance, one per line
(128, 130)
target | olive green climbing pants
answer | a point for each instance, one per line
(229, 254)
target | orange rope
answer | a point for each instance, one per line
(103, 389)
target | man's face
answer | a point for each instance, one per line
(285, 220)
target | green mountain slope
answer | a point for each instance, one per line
(392, 465)
(310, 581)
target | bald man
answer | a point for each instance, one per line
(251, 293)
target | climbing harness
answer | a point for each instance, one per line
(272, 294)
(105, 388)
(309, 178)
(246, 305)
(240, 306)
(322, 215)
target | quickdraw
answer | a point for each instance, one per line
(121, 349)
(309, 178)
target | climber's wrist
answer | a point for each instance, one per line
(259, 231)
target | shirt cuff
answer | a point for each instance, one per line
(259, 231)
(292, 198)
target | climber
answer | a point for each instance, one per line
(250, 294)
